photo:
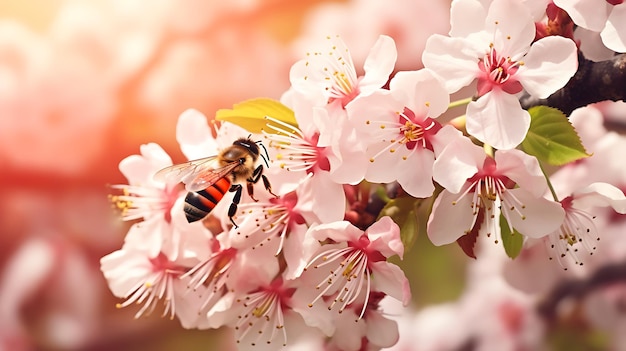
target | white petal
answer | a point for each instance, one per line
(466, 17)
(453, 59)
(140, 169)
(600, 194)
(426, 93)
(549, 65)
(523, 170)
(194, 136)
(450, 219)
(416, 179)
(384, 237)
(381, 331)
(381, 105)
(587, 14)
(386, 166)
(497, 119)
(614, 34)
(379, 64)
(592, 46)
(458, 161)
(539, 216)
(390, 279)
(512, 26)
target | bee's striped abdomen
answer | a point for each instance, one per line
(199, 204)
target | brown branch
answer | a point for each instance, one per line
(579, 288)
(593, 82)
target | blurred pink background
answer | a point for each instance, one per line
(84, 83)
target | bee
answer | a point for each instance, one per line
(208, 179)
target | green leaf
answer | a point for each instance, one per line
(512, 241)
(403, 211)
(250, 115)
(552, 138)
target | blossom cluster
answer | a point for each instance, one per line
(304, 253)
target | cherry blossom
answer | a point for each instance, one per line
(158, 204)
(360, 258)
(328, 75)
(578, 233)
(607, 17)
(480, 188)
(144, 197)
(399, 130)
(137, 278)
(495, 47)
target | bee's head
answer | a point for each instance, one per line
(248, 144)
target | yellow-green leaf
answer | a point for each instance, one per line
(251, 115)
(552, 138)
(512, 241)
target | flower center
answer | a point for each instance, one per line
(497, 72)
(490, 198)
(348, 275)
(577, 234)
(412, 131)
(295, 152)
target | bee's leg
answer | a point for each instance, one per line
(232, 210)
(258, 174)
(267, 185)
(250, 186)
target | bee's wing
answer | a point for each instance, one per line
(196, 174)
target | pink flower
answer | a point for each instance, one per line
(493, 47)
(607, 17)
(578, 234)
(399, 131)
(373, 331)
(144, 197)
(328, 75)
(264, 318)
(480, 188)
(160, 205)
(138, 278)
(306, 155)
(355, 264)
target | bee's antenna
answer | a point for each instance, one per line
(265, 157)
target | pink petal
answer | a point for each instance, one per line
(540, 216)
(497, 119)
(592, 46)
(384, 235)
(449, 221)
(614, 34)
(194, 136)
(380, 105)
(418, 183)
(426, 93)
(523, 170)
(585, 13)
(378, 65)
(454, 59)
(512, 25)
(458, 161)
(390, 279)
(548, 66)
(602, 195)
(466, 17)
(140, 169)
(381, 331)
(340, 231)
(326, 205)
